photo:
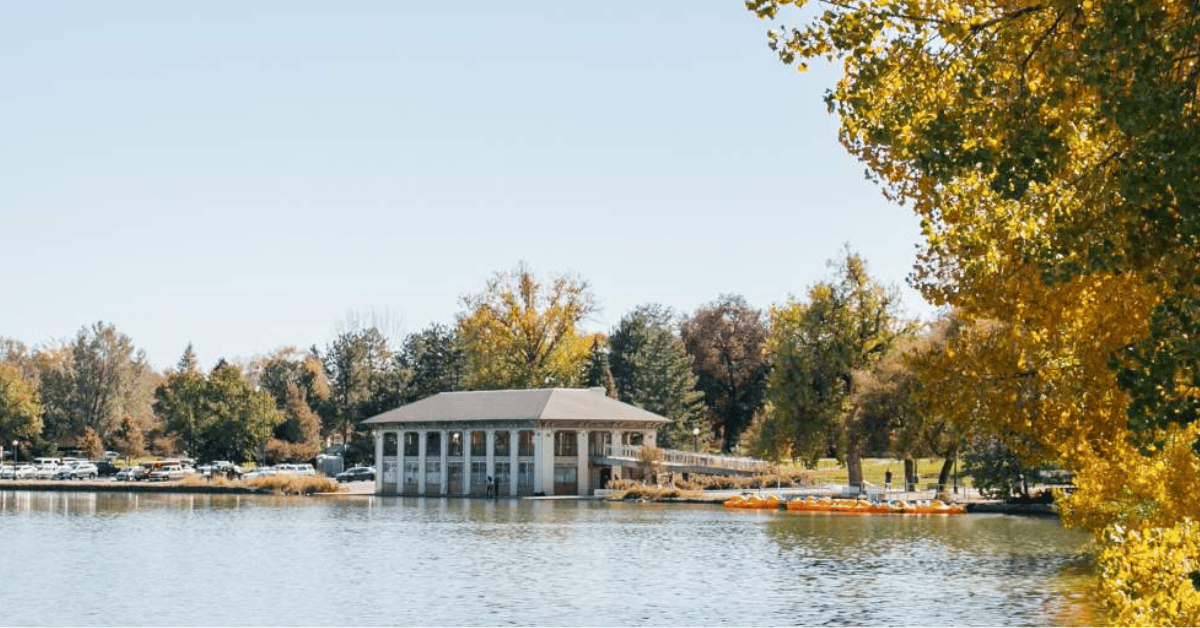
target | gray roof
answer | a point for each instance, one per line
(541, 404)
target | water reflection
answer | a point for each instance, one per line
(263, 560)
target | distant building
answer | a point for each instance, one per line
(544, 441)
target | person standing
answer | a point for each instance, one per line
(887, 480)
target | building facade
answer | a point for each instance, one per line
(524, 442)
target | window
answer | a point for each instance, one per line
(525, 474)
(455, 447)
(433, 444)
(565, 475)
(525, 443)
(411, 469)
(412, 444)
(502, 473)
(478, 444)
(433, 472)
(501, 443)
(478, 473)
(565, 444)
(390, 444)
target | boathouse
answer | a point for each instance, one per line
(531, 442)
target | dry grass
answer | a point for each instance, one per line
(283, 484)
(295, 484)
(200, 480)
(630, 489)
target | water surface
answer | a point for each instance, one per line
(162, 559)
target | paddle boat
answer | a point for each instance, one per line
(862, 506)
(757, 502)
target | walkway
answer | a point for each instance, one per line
(677, 461)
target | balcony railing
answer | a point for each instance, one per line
(677, 458)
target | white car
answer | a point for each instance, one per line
(289, 468)
(46, 473)
(78, 470)
(25, 471)
(170, 472)
(261, 472)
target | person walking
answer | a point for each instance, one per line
(488, 487)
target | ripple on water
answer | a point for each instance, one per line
(256, 560)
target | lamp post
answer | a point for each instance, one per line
(16, 453)
(696, 439)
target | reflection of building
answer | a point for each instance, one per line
(547, 441)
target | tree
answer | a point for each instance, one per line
(1051, 151)
(20, 407)
(821, 349)
(97, 380)
(651, 369)
(217, 417)
(362, 382)
(181, 402)
(298, 385)
(90, 444)
(432, 361)
(598, 373)
(727, 342)
(238, 420)
(521, 333)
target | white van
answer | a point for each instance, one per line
(44, 463)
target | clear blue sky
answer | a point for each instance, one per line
(245, 175)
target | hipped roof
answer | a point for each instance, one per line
(572, 404)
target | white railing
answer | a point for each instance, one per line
(676, 458)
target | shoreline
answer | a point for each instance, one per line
(367, 489)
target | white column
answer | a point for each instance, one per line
(490, 445)
(538, 448)
(582, 477)
(445, 443)
(616, 442)
(466, 436)
(513, 475)
(421, 453)
(399, 461)
(545, 461)
(379, 461)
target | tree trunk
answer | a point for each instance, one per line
(854, 465)
(944, 478)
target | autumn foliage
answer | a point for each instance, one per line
(1051, 150)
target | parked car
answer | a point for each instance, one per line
(260, 472)
(8, 472)
(357, 474)
(105, 468)
(170, 472)
(46, 473)
(25, 471)
(128, 474)
(77, 470)
(292, 468)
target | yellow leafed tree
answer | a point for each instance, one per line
(1051, 150)
(520, 333)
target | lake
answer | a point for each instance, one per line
(174, 559)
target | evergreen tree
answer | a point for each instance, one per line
(652, 370)
(430, 361)
(598, 373)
